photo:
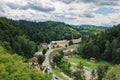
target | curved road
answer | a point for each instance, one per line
(47, 65)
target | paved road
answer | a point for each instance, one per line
(47, 65)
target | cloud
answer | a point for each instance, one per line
(35, 5)
(66, 1)
(101, 2)
(75, 12)
(40, 7)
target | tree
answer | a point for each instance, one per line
(41, 59)
(13, 67)
(107, 52)
(57, 58)
(93, 74)
(117, 56)
(101, 71)
(95, 51)
(113, 73)
(44, 51)
(115, 51)
(71, 42)
(79, 73)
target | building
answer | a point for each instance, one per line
(33, 61)
(61, 43)
(92, 59)
(76, 41)
(64, 43)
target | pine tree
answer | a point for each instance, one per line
(79, 73)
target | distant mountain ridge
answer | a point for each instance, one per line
(89, 30)
(89, 27)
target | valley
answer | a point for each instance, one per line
(58, 51)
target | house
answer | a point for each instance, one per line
(76, 41)
(33, 61)
(93, 59)
(61, 43)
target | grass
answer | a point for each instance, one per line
(40, 48)
(91, 65)
(58, 74)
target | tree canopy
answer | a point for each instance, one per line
(13, 67)
(113, 73)
(104, 45)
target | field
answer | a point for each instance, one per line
(91, 65)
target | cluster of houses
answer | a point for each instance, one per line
(54, 44)
(64, 43)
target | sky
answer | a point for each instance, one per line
(74, 12)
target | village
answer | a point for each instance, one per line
(69, 49)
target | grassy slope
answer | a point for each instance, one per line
(76, 59)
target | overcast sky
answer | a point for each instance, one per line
(76, 12)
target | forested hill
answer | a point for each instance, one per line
(45, 31)
(89, 30)
(20, 36)
(14, 41)
(105, 45)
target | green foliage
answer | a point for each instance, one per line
(113, 73)
(14, 41)
(79, 74)
(104, 45)
(46, 31)
(57, 73)
(91, 65)
(65, 67)
(41, 59)
(13, 67)
(44, 51)
(40, 48)
(101, 71)
(56, 56)
(88, 30)
(89, 50)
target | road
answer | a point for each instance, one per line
(47, 65)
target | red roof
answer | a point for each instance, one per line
(34, 59)
(61, 42)
(76, 40)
